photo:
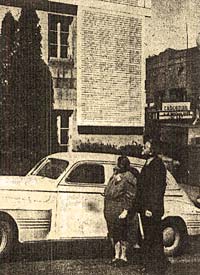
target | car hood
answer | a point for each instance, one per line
(26, 183)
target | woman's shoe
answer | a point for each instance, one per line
(115, 261)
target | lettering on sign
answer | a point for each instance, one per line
(175, 115)
(176, 106)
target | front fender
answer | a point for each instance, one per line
(185, 210)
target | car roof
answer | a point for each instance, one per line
(79, 156)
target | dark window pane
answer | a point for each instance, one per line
(64, 37)
(53, 37)
(64, 51)
(53, 50)
(53, 20)
(66, 21)
(88, 173)
(64, 136)
(65, 121)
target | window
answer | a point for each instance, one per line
(87, 173)
(58, 35)
(52, 169)
(63, 129)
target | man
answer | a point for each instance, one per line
(150, 200)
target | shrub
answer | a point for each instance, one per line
(133, 149)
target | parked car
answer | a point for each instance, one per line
(61, 198)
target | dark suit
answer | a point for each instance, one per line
(150, 196)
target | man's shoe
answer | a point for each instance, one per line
(136, 246)
(142, 271)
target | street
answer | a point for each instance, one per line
(87, 258)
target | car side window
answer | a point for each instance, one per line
(87, 173)
(52, 169)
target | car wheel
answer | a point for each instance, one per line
(175, 236)
(6, 238)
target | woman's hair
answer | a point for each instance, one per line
(123, 163)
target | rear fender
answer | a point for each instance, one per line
(31, 225)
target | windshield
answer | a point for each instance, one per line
(51, 168)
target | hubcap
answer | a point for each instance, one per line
(168, 236)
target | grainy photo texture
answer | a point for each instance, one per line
(99, 137)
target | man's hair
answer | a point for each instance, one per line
(155, 146)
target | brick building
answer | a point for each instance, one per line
(95, 53)
(173, 76)
(173, 106)
(173, 87)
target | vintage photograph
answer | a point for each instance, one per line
(99, 137)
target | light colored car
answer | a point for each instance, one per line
(61, 198)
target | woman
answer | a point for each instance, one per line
(119, 200)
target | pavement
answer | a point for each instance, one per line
(88, 258)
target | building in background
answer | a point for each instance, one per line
(96, 56)
(173, 107)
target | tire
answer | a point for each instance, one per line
(6, 238)
(175, 236)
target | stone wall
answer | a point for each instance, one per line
(75, 138)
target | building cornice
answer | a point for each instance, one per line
(142, 9)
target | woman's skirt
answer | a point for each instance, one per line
(117, 228)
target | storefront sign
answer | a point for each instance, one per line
(176, 106)
(172, 111)
(175, 115)
(175, 110)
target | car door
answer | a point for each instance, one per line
(80, 201)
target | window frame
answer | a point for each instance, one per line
(79, 163)
(41, 164)
(61, 130)
(64, 181)
(56, 43)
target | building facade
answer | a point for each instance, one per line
(173, 107)
(173, 76)
(94, 50)
(173, 87)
